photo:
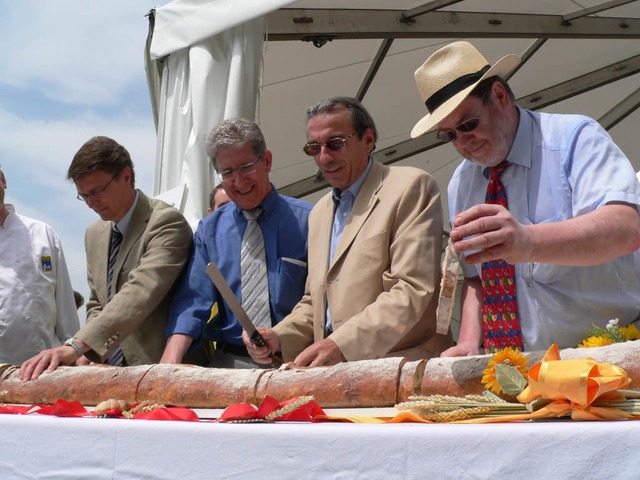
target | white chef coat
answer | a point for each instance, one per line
(37, 307)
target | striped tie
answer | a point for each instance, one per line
(114, 248)
(500, 322)
(253, 272)
(116, 357)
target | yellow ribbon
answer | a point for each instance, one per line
(574, 385)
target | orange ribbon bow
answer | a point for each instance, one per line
(575, 386)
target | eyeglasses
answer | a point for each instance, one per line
(245, 169)
(449, 135)
(336, 143)
(94, 193)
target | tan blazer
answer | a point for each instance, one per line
(152, 255)
(383, 283)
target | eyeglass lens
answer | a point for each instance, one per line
(336, 143)
(246, 169)
(86, 196)
(464, 127)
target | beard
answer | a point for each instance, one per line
(498, 145)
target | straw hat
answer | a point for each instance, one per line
(448, 77)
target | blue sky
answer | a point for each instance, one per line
(70, 70)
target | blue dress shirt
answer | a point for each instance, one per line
(561, 166)
(218, 240)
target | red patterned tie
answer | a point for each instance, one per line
(500, 323)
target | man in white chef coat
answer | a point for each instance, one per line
(37, 307)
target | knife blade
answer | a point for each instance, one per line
(240, 313)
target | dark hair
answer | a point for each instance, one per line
(100, 153)
(212, 195)
(361, 119)
(235, 131)
(77, 296)
(483, 89)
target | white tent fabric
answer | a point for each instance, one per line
(183, 23)
(212, 53)
(579, 58)
(213, 79)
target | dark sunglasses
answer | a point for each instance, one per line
(336, 143)
(449, 135)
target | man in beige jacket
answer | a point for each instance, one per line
(126, 316)
(374, 253)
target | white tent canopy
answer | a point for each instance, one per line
(579, 57)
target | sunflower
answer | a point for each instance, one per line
(596, 341)
(509, 356)
(630, 332)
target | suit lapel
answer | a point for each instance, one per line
(324, 234)
(137, 226)
(101, 257)
(363, 206)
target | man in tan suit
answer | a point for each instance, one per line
(374, 253)
(129, 314)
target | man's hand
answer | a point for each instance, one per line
(84, 361)
(493, 231)
(47, 360)
(177, 345)
(462, 350)
(262, 354)
(322, 353)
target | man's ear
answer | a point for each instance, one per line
(127, 174)
(268, 158)
(499, 95)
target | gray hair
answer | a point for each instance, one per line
(235, 131)
(360, 118)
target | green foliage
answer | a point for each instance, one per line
(510, 379)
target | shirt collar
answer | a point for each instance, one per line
(520, 152)
(355, 187)
(124, 222)
(268, 205)
(11, 211)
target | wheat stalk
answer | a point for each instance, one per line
(448, 408)
(288, 408)
(145, 406)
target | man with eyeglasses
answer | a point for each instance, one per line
(37, 306)
(374, 253)
(135, 252)
(544, 209)
(279, 224)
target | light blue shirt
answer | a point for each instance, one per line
(561, 166)
(343, 200)
(123, 223)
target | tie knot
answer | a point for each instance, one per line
(496, 172)
(252, 214)
(115, 232)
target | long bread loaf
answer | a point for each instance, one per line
(367, 383)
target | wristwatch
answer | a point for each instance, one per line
(73, 343)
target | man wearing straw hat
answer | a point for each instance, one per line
(543, 207)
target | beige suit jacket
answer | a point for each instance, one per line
(383, 283)
(152, 255)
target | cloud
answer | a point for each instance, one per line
(74, 51)
(74, 70)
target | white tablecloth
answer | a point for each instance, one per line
(42, 447)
